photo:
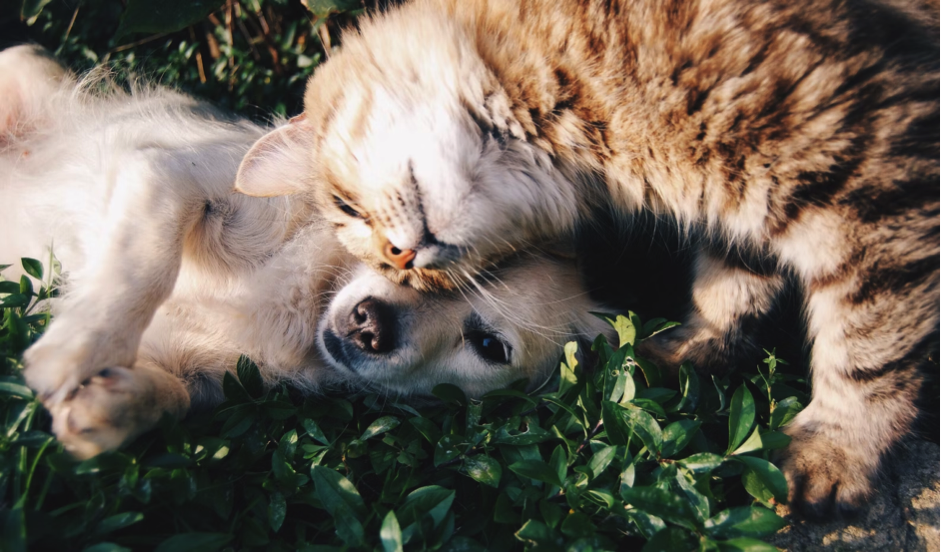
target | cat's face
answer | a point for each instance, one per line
(394, 338)
(421, 168)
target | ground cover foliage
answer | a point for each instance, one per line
(608, 458)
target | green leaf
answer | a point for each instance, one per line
(324, 8)
(601, 459)
(277, 510)
(689, 388)
(14, 300)
(250, 377)
(380, 426)
(340, 498)
(195, 541)
(428, 429)
(619, 432)
(677, 436)
(758, 441)
(559, 462)
(765, 473)
(651, 372)
(741, 417)
(26, 286)
(672, 539)
(578, 525)
(746, 544)
(616, 375)
(568, 379)
(9, 287)
(484, 469)
(449, 393)
(625, 328)
(536, 470)
(647, 524)
(702, 462)
(12, 387)
(535, 534)
(29, 12)
(751, 521)
(32, 267)
(663, 504)
(644, 427)
(432, 501)
(391, 533)
(166, 16)
(448, 448)
(116, 522)
(510, 393)
(13, 526)
(233, 389)
(313, 430)
(533, 434)
(785, 411)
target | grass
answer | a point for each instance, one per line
(611, 459)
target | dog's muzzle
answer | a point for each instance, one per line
(367, 332)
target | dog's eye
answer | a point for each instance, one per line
(345, 208)
(490, 347)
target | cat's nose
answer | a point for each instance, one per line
(372, 327)
(401, 259)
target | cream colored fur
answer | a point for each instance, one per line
(169, 276)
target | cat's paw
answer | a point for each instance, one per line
(826, 476)
(114, 406)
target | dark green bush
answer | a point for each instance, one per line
(611, 459)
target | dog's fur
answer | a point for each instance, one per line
(169, 275)
(795, 137)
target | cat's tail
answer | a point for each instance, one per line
(29, 78)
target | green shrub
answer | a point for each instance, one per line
(611, 458)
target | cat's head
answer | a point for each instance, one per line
(509, 326)
(416, 157)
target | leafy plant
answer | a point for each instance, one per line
(249, 56)
(613, 458)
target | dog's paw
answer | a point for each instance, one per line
(827, 478)
(113, 407)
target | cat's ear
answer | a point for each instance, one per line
(278, 164)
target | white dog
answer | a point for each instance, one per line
(169, 275)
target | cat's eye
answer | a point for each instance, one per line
(489, 346)
(346, 208)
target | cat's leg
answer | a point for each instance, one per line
(872, 320)
(116, 405)
(131, 268)
(730, 294)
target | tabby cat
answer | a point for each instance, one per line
(797, 137)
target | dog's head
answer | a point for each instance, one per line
(509, 325)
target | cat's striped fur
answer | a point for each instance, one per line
(800, 134)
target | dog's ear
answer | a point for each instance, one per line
(29, 75)
(278, 164)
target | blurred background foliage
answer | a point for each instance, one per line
(249, 56)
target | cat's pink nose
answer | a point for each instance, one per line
(401, 259)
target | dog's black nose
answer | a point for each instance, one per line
(372, 325)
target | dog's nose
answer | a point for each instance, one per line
(401, 259)
(372, 327)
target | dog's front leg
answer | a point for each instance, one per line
(152, 199)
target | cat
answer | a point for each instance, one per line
(792, 138)
(169, 277)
